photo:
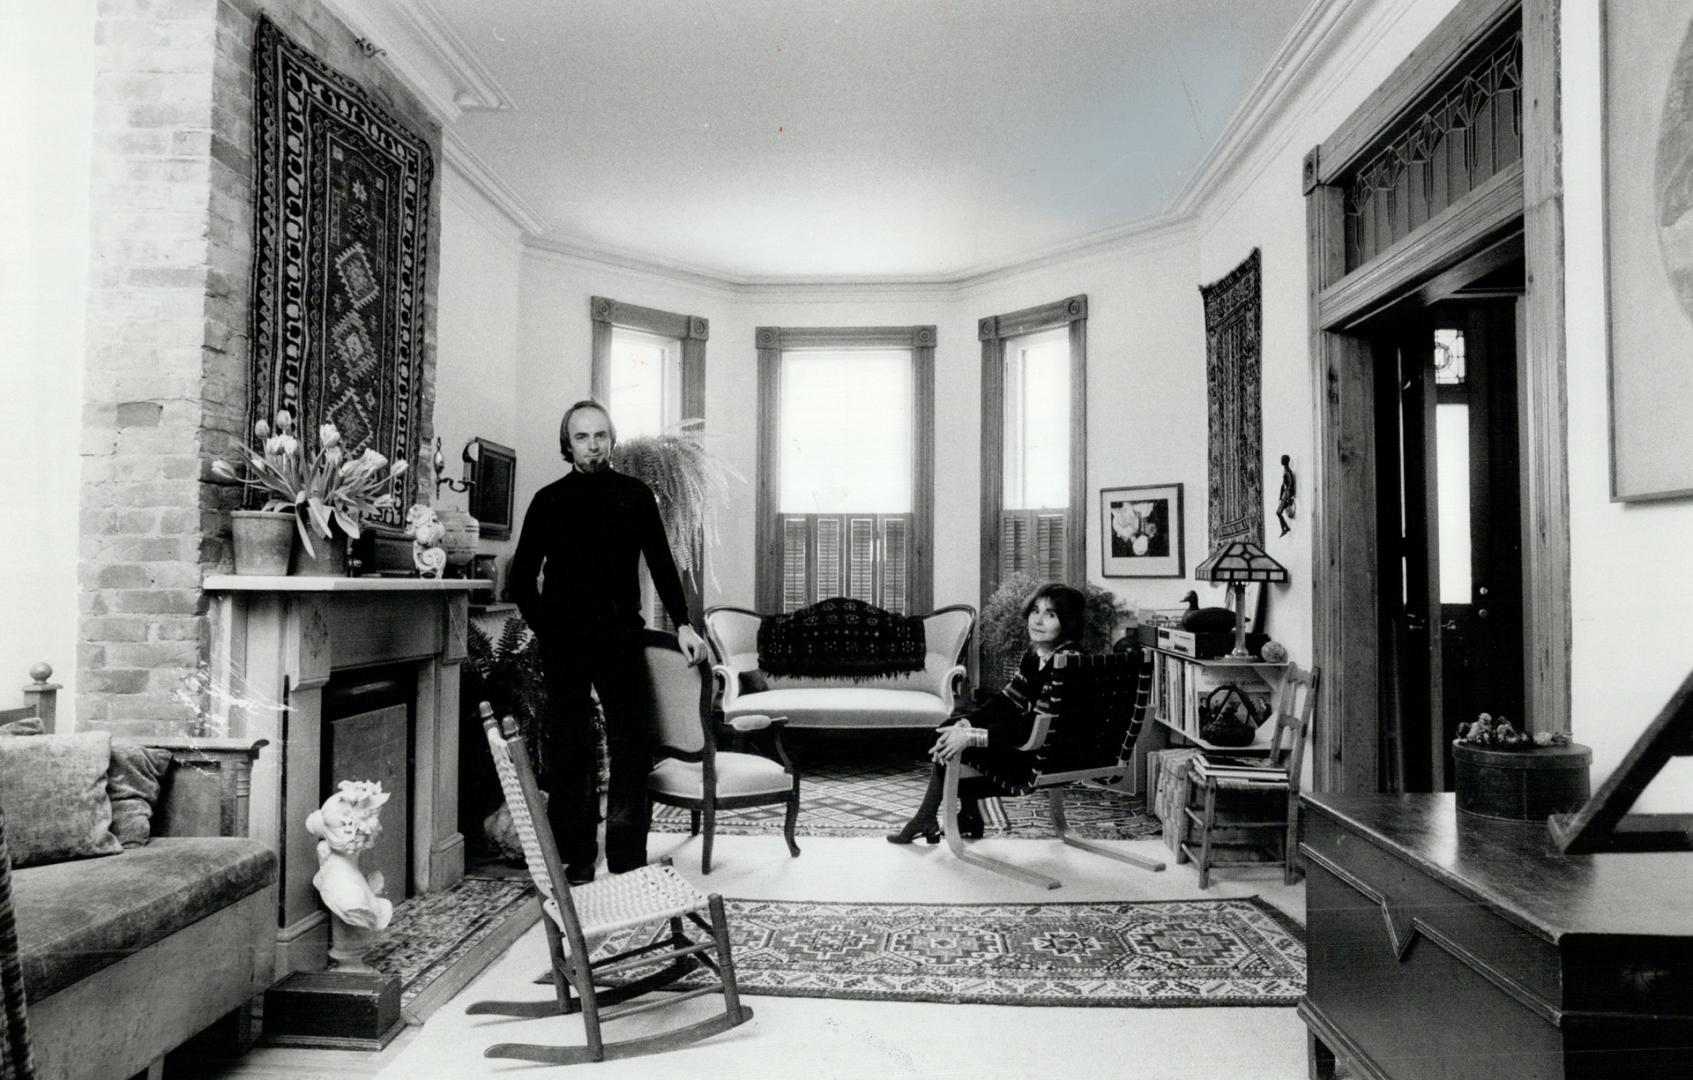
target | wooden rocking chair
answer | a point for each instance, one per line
(1086, 726)
(579, 918)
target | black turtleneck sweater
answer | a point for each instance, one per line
(574, 575)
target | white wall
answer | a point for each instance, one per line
(46, 140)
(1633, 637)
(476, 331)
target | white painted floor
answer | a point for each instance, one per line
(803, 1037)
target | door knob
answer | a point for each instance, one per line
(1481, 613)
(1449, 624)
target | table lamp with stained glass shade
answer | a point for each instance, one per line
(1235, 563)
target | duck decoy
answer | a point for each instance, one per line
(1207, 619)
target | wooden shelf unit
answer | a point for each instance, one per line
(1180, 682)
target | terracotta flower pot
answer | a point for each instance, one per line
(328, 557)
(262, 541)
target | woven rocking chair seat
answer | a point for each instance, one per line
(620, 901)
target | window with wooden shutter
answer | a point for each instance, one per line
(648, 367)
(846, 469)
(1034, 440)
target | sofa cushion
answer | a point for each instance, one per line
(132, 781)
(931, 680)
(737, 774)
(844, 706)
(54, 790)
(74, 918)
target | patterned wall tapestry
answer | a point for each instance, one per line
(340, 233)
(1233, 361)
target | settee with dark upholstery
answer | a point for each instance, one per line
(127, 956)
(916, 699)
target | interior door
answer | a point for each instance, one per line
(1451, 605)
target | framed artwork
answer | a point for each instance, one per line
(496, 486)
(1647, 156)
(1141, 533)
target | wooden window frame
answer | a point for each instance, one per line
(1520, 204)
(770, 342)
(693, 331)
(993, 331)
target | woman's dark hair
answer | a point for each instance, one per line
(564, 425)
(1068, 602)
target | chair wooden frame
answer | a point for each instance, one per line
(1292, 713)
(710, 802)
(41, 699)
(652, 895)
(1049, 709)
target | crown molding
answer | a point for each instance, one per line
(412, 39)
(1134, 236)
(521, 213)
(1267, 102)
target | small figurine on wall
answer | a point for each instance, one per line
(1285, 506)
(424, 526)
(347, 825)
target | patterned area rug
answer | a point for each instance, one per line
(433, 931)
(1235, 952)
(851, 789)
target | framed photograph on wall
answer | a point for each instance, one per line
(1647, 155)
(1141, 530)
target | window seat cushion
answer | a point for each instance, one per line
(76, 917)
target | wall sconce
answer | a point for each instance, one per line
(471, 452)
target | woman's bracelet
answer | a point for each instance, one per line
(978, 737)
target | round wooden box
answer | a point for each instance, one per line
(1525, 784)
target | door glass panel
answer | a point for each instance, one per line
(1452, 449)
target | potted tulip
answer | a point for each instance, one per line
(325, 495)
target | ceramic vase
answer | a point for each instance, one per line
(463, 534)
(262, 540)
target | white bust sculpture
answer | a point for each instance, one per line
(345, 826)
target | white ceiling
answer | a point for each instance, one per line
(798, 140)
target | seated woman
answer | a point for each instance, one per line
(990, 735)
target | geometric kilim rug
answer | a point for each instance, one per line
(1166, 953)
(867, 791)
(431, 932)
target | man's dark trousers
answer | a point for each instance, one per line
(613, 665)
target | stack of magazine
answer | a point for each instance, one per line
(1242, 770)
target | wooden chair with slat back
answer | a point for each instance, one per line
(579, 918)
(1277, 778)
(1086, 725)
(41, 699)
(691, 772)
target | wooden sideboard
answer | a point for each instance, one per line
(1452, 947)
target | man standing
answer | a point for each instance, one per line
(574, 579)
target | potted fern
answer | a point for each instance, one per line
(689, 482)
(1003, 632)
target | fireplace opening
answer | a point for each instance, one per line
(369, 722)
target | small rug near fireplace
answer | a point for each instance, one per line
(863, 790)
(438, 942)
(1166, 953)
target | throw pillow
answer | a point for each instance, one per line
(53, 789)
(132, 782)
(754, 682)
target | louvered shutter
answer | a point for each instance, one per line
(1049, 546)
(896, 562)
(861, 565)
(794, 591)
(1013, 542)
(827, 580)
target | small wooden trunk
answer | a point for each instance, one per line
(1526, 784)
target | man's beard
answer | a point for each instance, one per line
(597, 465)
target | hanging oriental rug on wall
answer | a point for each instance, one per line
(1234, 338)
(1166, 953)
(340, 238)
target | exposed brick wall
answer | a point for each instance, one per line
(168, 310)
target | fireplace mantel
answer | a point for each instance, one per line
(275, 643)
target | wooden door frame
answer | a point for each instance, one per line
(1524, 199)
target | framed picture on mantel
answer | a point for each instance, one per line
(496, 486)
(1141, 531)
